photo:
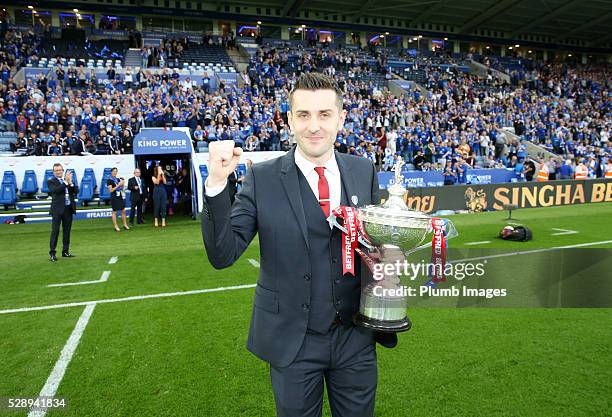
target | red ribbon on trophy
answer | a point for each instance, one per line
(438, 250)
(350, 238)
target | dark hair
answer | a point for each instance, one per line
(114, 169)
(313, 81)
(57, 164)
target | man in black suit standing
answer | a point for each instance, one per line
(301, 322)
(63, 207)
(78, 146)
(137, 197)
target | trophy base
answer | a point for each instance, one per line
(387, 326)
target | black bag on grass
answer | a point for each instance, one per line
(516, 233)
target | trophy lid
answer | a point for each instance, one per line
(394, 211)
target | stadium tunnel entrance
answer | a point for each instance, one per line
(173, 151)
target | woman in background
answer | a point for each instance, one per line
(115, 186)
(159, 196)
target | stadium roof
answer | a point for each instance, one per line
(589, 20)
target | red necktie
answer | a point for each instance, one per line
(323, 191)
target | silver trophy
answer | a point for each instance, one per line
(392, 232)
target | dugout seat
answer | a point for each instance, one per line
(30, 183)
(90, 172)
(8, 196)
(9, 178)
(48, 176)
(85, 191)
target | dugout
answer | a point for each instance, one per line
(173, 150)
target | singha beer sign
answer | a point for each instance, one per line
(475, 198)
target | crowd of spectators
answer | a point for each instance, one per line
(460, 120)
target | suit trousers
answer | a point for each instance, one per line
(136, 208)
(344, 359)
(65, 219)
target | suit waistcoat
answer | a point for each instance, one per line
(331, 292)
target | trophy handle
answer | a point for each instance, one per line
(451, 232)
(361, 239)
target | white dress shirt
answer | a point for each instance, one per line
(332, 174)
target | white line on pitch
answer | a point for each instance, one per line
(239, 287)
(478, 243)
(132, 298)
(254, 263)
(563, 232)
(103, 278)
(57, 374)
(113, 260)
(525, 252)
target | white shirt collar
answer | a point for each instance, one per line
(307, 167)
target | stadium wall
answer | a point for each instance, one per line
(124, 163)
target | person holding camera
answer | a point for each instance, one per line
(115, 186)
(160, 196)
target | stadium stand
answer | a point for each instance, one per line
(452, 114)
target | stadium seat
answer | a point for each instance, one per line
(241, 169)
(9, 178)
(48, 176)
(203, 172)
(90, 172)
(103, 192)
(86, 190)
(8, 197)
(30, 183)
(202, 146)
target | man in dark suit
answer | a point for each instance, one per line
(137, 197)
(78, 146)
(63, 207)
(301, 322)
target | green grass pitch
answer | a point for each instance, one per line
(185, 355)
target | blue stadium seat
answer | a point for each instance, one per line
(105, 176)
(86, 191)
(48, 176)
(8, 196)
(30, 183)
(203, 172)
(9, 178)
(90, 172)
(242, 169)
(103, 190)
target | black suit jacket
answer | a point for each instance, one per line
(57, 191)
(232, 184)
(270, 204)
(77, 147)
(134, 191)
